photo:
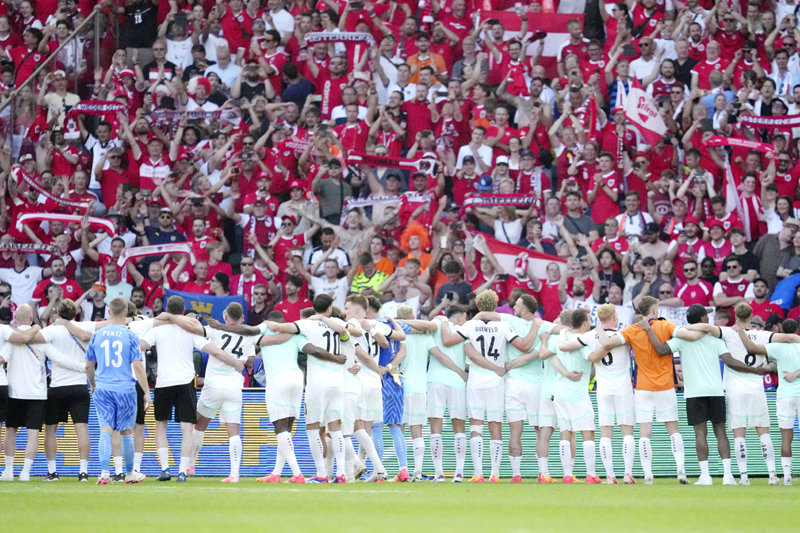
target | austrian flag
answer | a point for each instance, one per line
(643, 114)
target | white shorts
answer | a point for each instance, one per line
(486, 404)
(440, 397)
(575, 416)
(747, 410)
(370, 405)
(323, 404)
(349, 412)
(227, 401)
(414, 412)
(788, 409)
(616, 409)
(522, 401)
(284, 396)
(663, 404)
(547, 413)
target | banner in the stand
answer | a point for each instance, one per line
(422, 165)
(787, 121)
(94, 222)
(182, 248)
(718, 140)
(29, 248)
(523, 201)
(339, 37)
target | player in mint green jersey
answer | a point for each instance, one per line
(787, 355)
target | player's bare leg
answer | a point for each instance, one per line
(515, 449)
(786, 454)
(676, 441)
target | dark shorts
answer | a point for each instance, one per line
(26, 413)
(182, 397)
(705, 409)
(72, 400)
(3, 403)
(139, 405)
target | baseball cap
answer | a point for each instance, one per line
(333, 162)
(502, 160)
(691, 220)
(757, 321)
(468, 159)
(59, 73)
(792, 222)
(678, 200)
(259, 201)
(99, 287)
(484, 183)
(263, 174)
(290, 217)
(295, 184)
(527, 153)
(452, 207)
(651, 227)
(394, 175)
(26, 157)
(127, 72)
(711, 222)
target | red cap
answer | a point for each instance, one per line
(296, 184)
(263, 174)
(127, 72)
(290, 217)
(711, 222)
(691, 220)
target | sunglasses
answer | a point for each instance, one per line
(664, 292)
(247, 264)
(692, 269)
(731, 267)
(5, 294)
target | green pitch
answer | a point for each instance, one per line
(204, 504)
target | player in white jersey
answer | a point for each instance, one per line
(745, 400)
(486, 351)
(222, 386)
(283, 393)
(615, 404)
(361, 398)
(27, 391)
(324, 382)
(447, 380)
(67, 393)
(174, 343)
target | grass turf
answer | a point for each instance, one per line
(205, 504)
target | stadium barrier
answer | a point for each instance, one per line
(260, 447)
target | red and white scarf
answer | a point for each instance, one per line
(182, 248)
(94, 222)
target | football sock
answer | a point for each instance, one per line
(400, 446)
(337, 451)
(377, 441)
(476, 447)
(768, 451)
(496, 454)
(516, 462)
(590, 457)
(329, 457)
(51, 466)
(84, 466)
(677, 451)
(786, 463)
(628, 452)
(704, 469)
(726, 467)
(460, 445)
(349, 456)
(279, 462)
(436, 453)
(163, 458)
(137, 461)
(419, 453)
(26, 467)
(740, 448)
(317, 452)
(104, 450)
(9, 459)
(127, 452)
(544, 468)
(646, 457)
(197, 443)
(566, 457)
(184, 464)
(366, 443)
(607, 456)
(117, 464)
(235, 453)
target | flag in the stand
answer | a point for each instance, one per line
(206, 304)
(554, 24)
(732, 201)
(783, 294)
(643, 114)
(507, 254)
(590, 119)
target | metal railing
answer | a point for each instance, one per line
(10, 99)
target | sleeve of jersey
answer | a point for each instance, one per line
(150, 337)
(90, 356)
(199, 342)
(134, 353)
(666, 327)
(674, 344)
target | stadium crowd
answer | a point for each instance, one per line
(420, 155)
